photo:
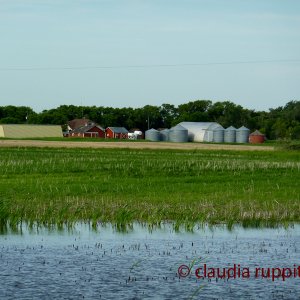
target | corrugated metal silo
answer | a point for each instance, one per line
(230, 134)
(242, 135)
(218, 135)
(178, 134)
(152, 135)
(209, 131)
(164, 135)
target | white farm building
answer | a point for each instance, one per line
(201, 131)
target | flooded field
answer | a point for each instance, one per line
(210, 263)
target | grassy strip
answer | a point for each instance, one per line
(58, 186)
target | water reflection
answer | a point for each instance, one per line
(10, 227)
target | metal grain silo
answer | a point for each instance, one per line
(242, 135)
(178, 134)
(164, 135)
(152, 135)
(218, 135)
(230, 134)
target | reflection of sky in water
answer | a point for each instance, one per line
(143, 265)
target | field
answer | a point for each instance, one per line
(63, 185)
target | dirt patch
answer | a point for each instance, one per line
(131, 145)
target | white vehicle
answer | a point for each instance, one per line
(134, 135)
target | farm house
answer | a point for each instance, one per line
(116, 133)
(201, 131)
(29, 131)
(76, 123)
(88, 131)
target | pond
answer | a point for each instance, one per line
(210, 263)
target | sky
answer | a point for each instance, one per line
(132, 53)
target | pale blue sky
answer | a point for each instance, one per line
(39, 35)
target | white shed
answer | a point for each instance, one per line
(200, 131)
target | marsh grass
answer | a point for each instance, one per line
(56, 187)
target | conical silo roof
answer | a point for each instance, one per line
(178, 127)
(256, 132)
(218, 128)
(243, 128)
(230, 128)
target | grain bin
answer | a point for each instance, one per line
(164, 135)
(218, 135)
(152, 135)
(178, 134)
(256, 137)
(229, 134)
(242, 135)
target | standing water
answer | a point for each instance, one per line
(210, 263)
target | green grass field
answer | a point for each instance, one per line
(62, 186)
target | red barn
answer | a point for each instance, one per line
(116, 133)
(90, 131)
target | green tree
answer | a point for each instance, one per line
(279, 129)
(169, 114)
(194, 111)
(15, 114)
(10, 120)
(295, 133)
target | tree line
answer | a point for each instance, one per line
(280, 123)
